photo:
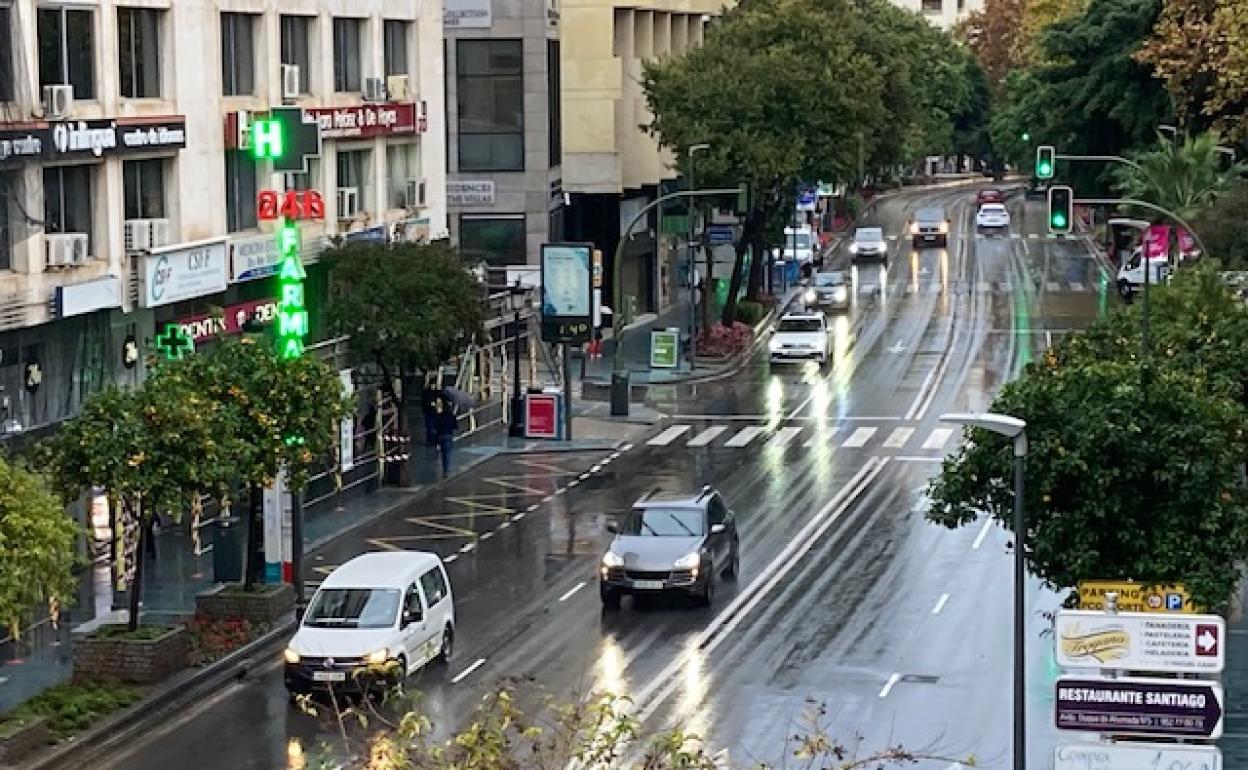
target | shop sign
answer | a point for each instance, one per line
(100, 138)
(87, 297)
(183, 272)
(258, 256)
(230, 321)
(415, 230)
(369, 120)
(470, 192)
(467, 14)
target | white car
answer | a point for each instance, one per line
(830, 289)
(390, 611)
(799, 245)
(800, 337)
(992, 216)
(869, 243)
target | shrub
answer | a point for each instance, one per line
(750, 313)
(854, 206)
(725, 341)
(72, 707)
(141, 634)
(213, 638)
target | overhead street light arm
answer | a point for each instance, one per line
(1103, 159)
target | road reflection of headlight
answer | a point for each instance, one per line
(611, 667)
(294, 755)
(775, 391)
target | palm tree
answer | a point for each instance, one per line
(1183, 177)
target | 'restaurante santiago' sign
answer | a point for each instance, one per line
(1173, 708)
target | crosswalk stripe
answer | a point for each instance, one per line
(938, 438)
(1053, 286)
(1015, 236)
(859, 438)
(898, 438)
(1033, 236)
(668, 436)
(784, 436)
(744, 436)
(707, 436)
(1076, 286)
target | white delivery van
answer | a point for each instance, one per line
(1131, 273)
(389, 610)
(799, 245)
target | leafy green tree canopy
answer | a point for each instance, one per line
(1184, 177)
(37, 541)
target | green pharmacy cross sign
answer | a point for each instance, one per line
(174, 343)
(288, 137)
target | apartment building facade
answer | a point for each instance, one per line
(128, 193)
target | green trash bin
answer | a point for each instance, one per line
(228, 540)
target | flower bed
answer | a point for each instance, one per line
(210, 639)
(264, 604)
(63, 711)
(725, 341)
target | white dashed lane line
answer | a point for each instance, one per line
(888, 686)
(940, 604)
(462, 675)
(572, 591)
(983, 533)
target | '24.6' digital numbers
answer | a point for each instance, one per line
(292, 204)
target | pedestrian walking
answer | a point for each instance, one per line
(151, 527)
(429, 411)
(446, 424)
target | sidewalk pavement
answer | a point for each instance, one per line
(183, 564)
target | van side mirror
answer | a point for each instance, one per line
(717, 528)
(613, 527)
(410, 617)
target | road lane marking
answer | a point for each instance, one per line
(784, 436)
(571, 591)
(466, 547)
(668, 436)
(888, 686)
(487, 535)
(533, 507)
(662, 686)
(940, 604)
(504, 524)
(859, 438)
(898, 438)
(595, 468)
(707, 436)
(518, 516)
(917, 459)
(449, 559)
(462, 675)
(938, 438)
(744, 436)
(983, 533)
(574, 482)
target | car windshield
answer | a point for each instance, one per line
(829, 279)
(868, 234)
(664, 522)
(993, 208)
(353, 608)
(802, 239)
(800, 325)
(929, 215)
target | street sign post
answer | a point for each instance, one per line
(1173, 708)
(1136, 597)
(664, 349)
(1133, 641)
(1136, 756)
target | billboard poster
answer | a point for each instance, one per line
(567, 295)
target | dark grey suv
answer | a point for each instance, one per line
(671, 543)
(930, 225)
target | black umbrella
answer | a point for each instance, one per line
(459, 398)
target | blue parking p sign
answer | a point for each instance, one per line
(1174, 601)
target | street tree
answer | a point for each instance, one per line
(1223, 227)
(992, 34)
(1199, 49)
(408, 308)
(37, 546)
(1184, 177)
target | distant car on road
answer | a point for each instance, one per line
(671, 543)
(868, 243)
(800, 337)
(988, 196)
(930, 225)
(992, 216)
(831, 290)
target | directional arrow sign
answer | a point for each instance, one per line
(1136, 756)
(1162, 707)
(1136, 641)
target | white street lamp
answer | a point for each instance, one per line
(1015, 429)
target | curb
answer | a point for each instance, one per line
(90, 745)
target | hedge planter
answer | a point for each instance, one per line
(147, 657)
(265, 604)
(20, 738)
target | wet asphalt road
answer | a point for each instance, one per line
(846, 596)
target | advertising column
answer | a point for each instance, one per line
(567, 306)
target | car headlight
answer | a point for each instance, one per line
(291, 656)
(378, 657)
(853, 248)
(811, 295)
(688, 561)
(914, 228)
(944, 227)
(839, 294)
(612, 559)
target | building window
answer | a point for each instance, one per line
(490, 87)
(7, 190)
(297, 48)
(354, 173)
(554, 101)
(347, 56)
(144, 182)
(308, 181)
(933, 6)
(6, 56)
(240, 190)
(396, 46)
(67, 49)
(138, 52)
(238, 54)
(67, 200)
(402, 166)
(494, 240)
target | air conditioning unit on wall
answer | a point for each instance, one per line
(146, 234)
(374, 90)
(290, 81)
(398, 87)
(348, 202)
(66, 249)
(58, 101)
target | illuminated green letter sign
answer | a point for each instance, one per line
(266, 139)
(292, 313)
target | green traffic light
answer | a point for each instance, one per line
(1026, 137)
(1044, 170)
(1059, 220)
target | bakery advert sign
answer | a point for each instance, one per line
(1138, 641)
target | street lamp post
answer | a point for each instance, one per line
(1016, 430)
(517, 400)
(693, 289)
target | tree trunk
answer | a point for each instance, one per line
(253, 565)
(398, 397)
(758, 268)
(136, 584)
(708, 285)
(734, 285)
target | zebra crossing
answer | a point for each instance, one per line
(894, 438)
(989, 287)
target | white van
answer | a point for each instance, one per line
(800, 245)
(1131, 273)
(391, 607)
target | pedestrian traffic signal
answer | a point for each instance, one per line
(1026, 137)
(1045, 160)
(1061, 209)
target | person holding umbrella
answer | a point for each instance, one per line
(445, 424)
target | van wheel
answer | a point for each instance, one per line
(1124, 290)
(610, 598)
(448, 645)
(708, 591)
(400, 676)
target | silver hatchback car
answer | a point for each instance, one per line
(671, 543)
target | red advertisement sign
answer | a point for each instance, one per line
(1157, 239)
(231, 321)
(541, 415)
(369, 120)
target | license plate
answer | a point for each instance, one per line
(648, 585)
(329, 676)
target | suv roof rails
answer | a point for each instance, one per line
(706, 490)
